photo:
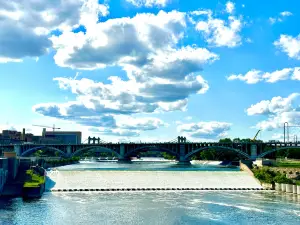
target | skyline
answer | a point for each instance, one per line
(146, 69)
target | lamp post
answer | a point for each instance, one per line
(285, 125)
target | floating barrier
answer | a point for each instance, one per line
(291, 189)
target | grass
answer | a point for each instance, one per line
(33, 180)
(288, 164)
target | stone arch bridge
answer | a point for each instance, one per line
(181, 149)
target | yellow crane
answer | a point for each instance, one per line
(53, 128)
(254, 139)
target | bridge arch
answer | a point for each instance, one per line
(275, 150)
(187, 156)
(151, 148)
(31, 150)
(95, 148)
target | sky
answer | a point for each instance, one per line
(151, 70)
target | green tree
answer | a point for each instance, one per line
(225, 140)
(209, 154)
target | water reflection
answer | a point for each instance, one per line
(154, 208)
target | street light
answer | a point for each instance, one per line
(286, 124)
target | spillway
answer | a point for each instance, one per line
(59, 180)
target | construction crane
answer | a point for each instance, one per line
(254, 139)
(53, 128)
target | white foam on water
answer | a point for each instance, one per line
(150, 179)
(234, 206)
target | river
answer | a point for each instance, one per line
(154, 207)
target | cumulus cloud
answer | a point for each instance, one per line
(205, 130)
(278, 111)
(130, 127)
(28, 23)
(255, 76)
(123, 97)
(220, 32)
(160, 76)
(230, 7)
(290, 45)
(280, 18)
(149, 3)
(115, 132)
(128, 42)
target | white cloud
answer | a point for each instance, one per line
(220, 32)
(27, 23)
(131, 41)
(205, 130)
(160, 76)
(144, 124)
(278, 110)
(129, 126)
(123, 97)
(188, 118)
(273, 20)
(296, 74)
(286, 13)
(255, 76)
(251, 77)
(280, 18)
(149, 3)
(276, 105)
(229, 7)
(289, 45)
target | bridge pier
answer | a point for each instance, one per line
(69, 151)
(17, 149)
(253, 152)
(122, 158)
(182, 159)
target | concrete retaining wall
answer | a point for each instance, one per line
(288, 188)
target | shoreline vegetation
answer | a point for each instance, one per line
(266, 175)
(34, 179)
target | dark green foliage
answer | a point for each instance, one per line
(264, 175)
(281, 178)
(267, 176)
(168, 156)
(62, 162)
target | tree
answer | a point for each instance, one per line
(225, 140)
(209, 154)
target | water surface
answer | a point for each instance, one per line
(154, 208)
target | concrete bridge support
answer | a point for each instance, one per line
(253, 152)
(69, 151)
(182, 159)
(122, 154)
(17, 149)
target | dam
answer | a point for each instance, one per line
(148, 175)
(181, 202)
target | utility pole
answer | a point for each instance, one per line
(285, 126)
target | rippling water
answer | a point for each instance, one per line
(165, 208)
(153, 208)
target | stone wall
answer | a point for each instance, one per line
(292, 173)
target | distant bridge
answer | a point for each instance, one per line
(182, 149)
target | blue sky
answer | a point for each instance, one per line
(151, 69)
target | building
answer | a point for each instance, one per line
(48, 137)
(11, 134)
(10, 137)
(64, 137)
